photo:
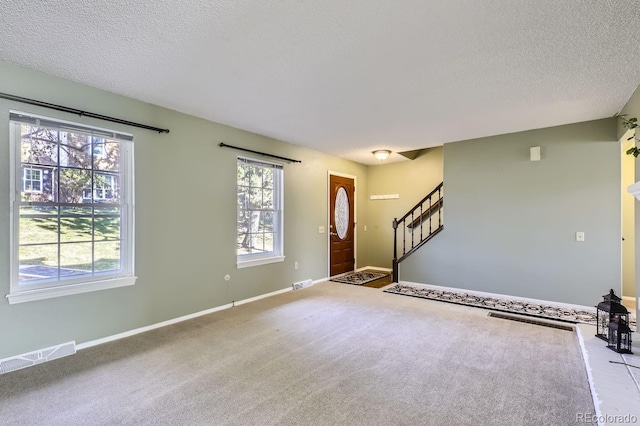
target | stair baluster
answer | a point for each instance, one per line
(435, 201)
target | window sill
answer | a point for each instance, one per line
(67, 290)
(261, 261)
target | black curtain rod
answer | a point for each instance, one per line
(224, 145)
(79, 112)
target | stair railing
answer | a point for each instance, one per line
(424, 219)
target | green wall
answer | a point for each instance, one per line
(412, 181)
(510, 223)
(185, 219)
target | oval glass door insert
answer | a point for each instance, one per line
(341, 213)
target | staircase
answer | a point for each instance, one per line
(417, 227)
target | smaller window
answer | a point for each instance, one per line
(31, 180)
(260, 213)
(105, 188)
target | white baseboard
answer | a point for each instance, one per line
(176, 320)
(502, 296)
(374, 268)
(585, 358)
(262, 296)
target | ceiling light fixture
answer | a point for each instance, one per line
(382, 154)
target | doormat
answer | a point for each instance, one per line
(559, 313)
(359, 278)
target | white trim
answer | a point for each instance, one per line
(261, 161)
(259, 261)
(14, 267)
(345, 175)
(623, 154)
(247, 260)
(626, 360)
(355, 216)
(384, 197)
(57, 287)
(503, 296)
(585, 358)
(67, 290)
(135, 331)
(262, 296)
(131, 205)
(319, 280)
(374, 268)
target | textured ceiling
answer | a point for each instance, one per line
(344, 77)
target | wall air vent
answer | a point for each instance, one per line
(36, 357)
(302, 284)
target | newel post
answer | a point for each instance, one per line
(395, 250)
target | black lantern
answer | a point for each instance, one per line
(607, 311)
(619, 336)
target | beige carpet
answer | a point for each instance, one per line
(330, 354)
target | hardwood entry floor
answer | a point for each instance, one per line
(380, 282)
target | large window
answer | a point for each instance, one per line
(72, 206)
(260, 213)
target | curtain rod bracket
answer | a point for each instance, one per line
(291, 160)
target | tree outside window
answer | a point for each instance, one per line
(74, 208)
(259, 224)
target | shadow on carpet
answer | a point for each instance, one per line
(359, 278)
(499, 304)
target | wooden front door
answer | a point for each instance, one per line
(341, 225)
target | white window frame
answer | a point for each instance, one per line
(99, 190)
(277, 255)
(31, 180)
(60, 286)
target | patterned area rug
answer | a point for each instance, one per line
(499, 304)
(359, 278)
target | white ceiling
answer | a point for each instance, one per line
(344, 77)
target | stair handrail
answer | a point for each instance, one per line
(436, 189)
(430, 211)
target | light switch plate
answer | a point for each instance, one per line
(320, 229)
(580, 236)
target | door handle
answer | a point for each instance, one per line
(333, 233)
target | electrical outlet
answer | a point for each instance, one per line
(295, 265)
(580, 236)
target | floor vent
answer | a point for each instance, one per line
(36, 357)
(302, 284)
(531, 321)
